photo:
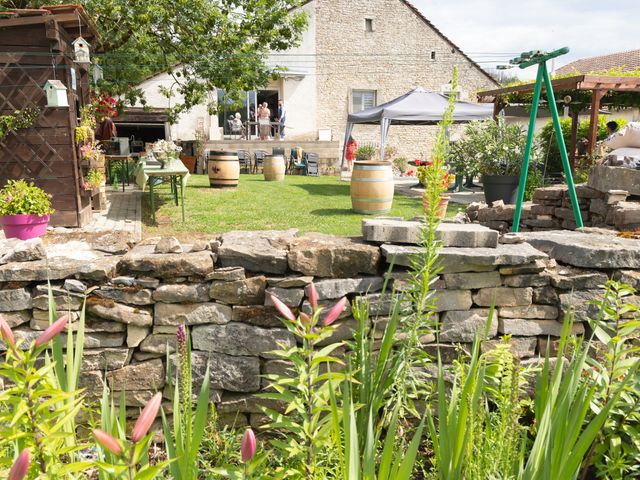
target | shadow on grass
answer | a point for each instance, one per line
(330, 212)
(326, 190)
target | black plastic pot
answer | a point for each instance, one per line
(500, 187)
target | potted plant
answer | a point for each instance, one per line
(24, 210)
(496, 150)
(163, 150)
(428, 173)
(365, 153)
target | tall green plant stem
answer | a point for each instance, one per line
(27, 392)
(309, 466)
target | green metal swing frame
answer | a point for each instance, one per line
(525, 60)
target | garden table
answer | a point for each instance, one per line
(174, 170)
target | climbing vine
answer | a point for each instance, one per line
(19, 119)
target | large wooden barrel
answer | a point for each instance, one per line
(223, 168)
(274, 168)
(371, 187)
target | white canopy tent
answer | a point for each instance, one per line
(417, 107)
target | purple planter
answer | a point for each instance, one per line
(24, 227)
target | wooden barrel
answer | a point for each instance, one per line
(371, 187)
(274, 168)
(224, 169)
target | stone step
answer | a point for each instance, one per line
(451, 234)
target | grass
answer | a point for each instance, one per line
(311, 204)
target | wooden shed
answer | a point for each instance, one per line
(36, 48)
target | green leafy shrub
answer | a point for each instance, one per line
(19, 197)
(365, 152)
(20, 119)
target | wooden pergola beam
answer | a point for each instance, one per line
(593, 125)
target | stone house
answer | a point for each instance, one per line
(353, 55)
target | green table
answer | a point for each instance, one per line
(174, 170)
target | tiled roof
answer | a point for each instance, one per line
(627, 61)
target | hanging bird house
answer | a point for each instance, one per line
(81, 49)
(56, 94)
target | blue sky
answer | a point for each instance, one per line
(484, 28)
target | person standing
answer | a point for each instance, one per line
(282, 118)
(352, 146)
(264, 121)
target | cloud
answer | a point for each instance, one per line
(497, 30)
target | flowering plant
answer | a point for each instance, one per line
(166, 147)
(19, 197)
(440, 175)
(93, 179)
(91, 151)
(104, 106)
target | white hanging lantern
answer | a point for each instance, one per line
(82, 51)
(56, 94)
(98, 73)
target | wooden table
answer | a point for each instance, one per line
(175, 171)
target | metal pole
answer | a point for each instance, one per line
(563, 149)
(527, 149)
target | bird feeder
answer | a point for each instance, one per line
(56, 94)
(81, 49)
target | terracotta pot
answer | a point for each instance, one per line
(441, 211)
(24, 227)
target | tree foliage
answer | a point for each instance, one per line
(203, 44)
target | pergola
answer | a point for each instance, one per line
(601, 87)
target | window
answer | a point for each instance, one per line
(362, 99)
(433, 55)
(368, 24)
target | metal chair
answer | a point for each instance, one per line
(258, 160)
(245, 160)
(312, 164)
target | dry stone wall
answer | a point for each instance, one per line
(136, 299)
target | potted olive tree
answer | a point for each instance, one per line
(495, 150)
(24, 210)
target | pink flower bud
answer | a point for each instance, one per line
(20, 466)
(304, 318)
(335, 311)
(248, 446)
(312, 293)
(54, 329)
(283, 309)
(146, 418)
(6, 333)
(108, 441)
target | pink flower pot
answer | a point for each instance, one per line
(24, 227)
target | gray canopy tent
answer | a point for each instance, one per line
(417, 107)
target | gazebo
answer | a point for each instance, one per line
(417, 107)
(580, 91)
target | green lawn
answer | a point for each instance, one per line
(311, 204)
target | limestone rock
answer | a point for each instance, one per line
(588, 250)
(191, 313)
(452, 300)
(292, 297)
(168, 245)
(531, 328)
(62, 303)
(264, 252)
(110, 310)
(533, 267)
(241, 292)
(128, 295)
(332, 257)
(503, 297)
(511, 239)
(105, 359)
(463, 326)
(258, 315)
(344, 330)
(158, 343)
(229, 373)
(141, 376)
(15, 319)
(240, 339)
(337, 288)
(99, 270)
(471, 280)
(290, 282)
(540, 312)
(22, 250)
(142, 282)
(199, 246)
(100, 340)
(143, 260)
(182, 293)
(604, 178)
(110, 243)
(545, 296)
(75, 286)
(135, 335)
(527, 280)
(227, 274)
(575, 279)
(14, 300)
(579, 302)
(520, 347)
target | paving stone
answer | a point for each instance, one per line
(540, 312)
(463, 326)
(240, 339)
(531, 328)
(503, 297)
(472, 280)
(191, 313)
(340, 287)
(264, 252)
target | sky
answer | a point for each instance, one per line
(495, 31)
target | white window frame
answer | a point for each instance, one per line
(362, 104)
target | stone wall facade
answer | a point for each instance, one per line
(220, 289)
(392, 59)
